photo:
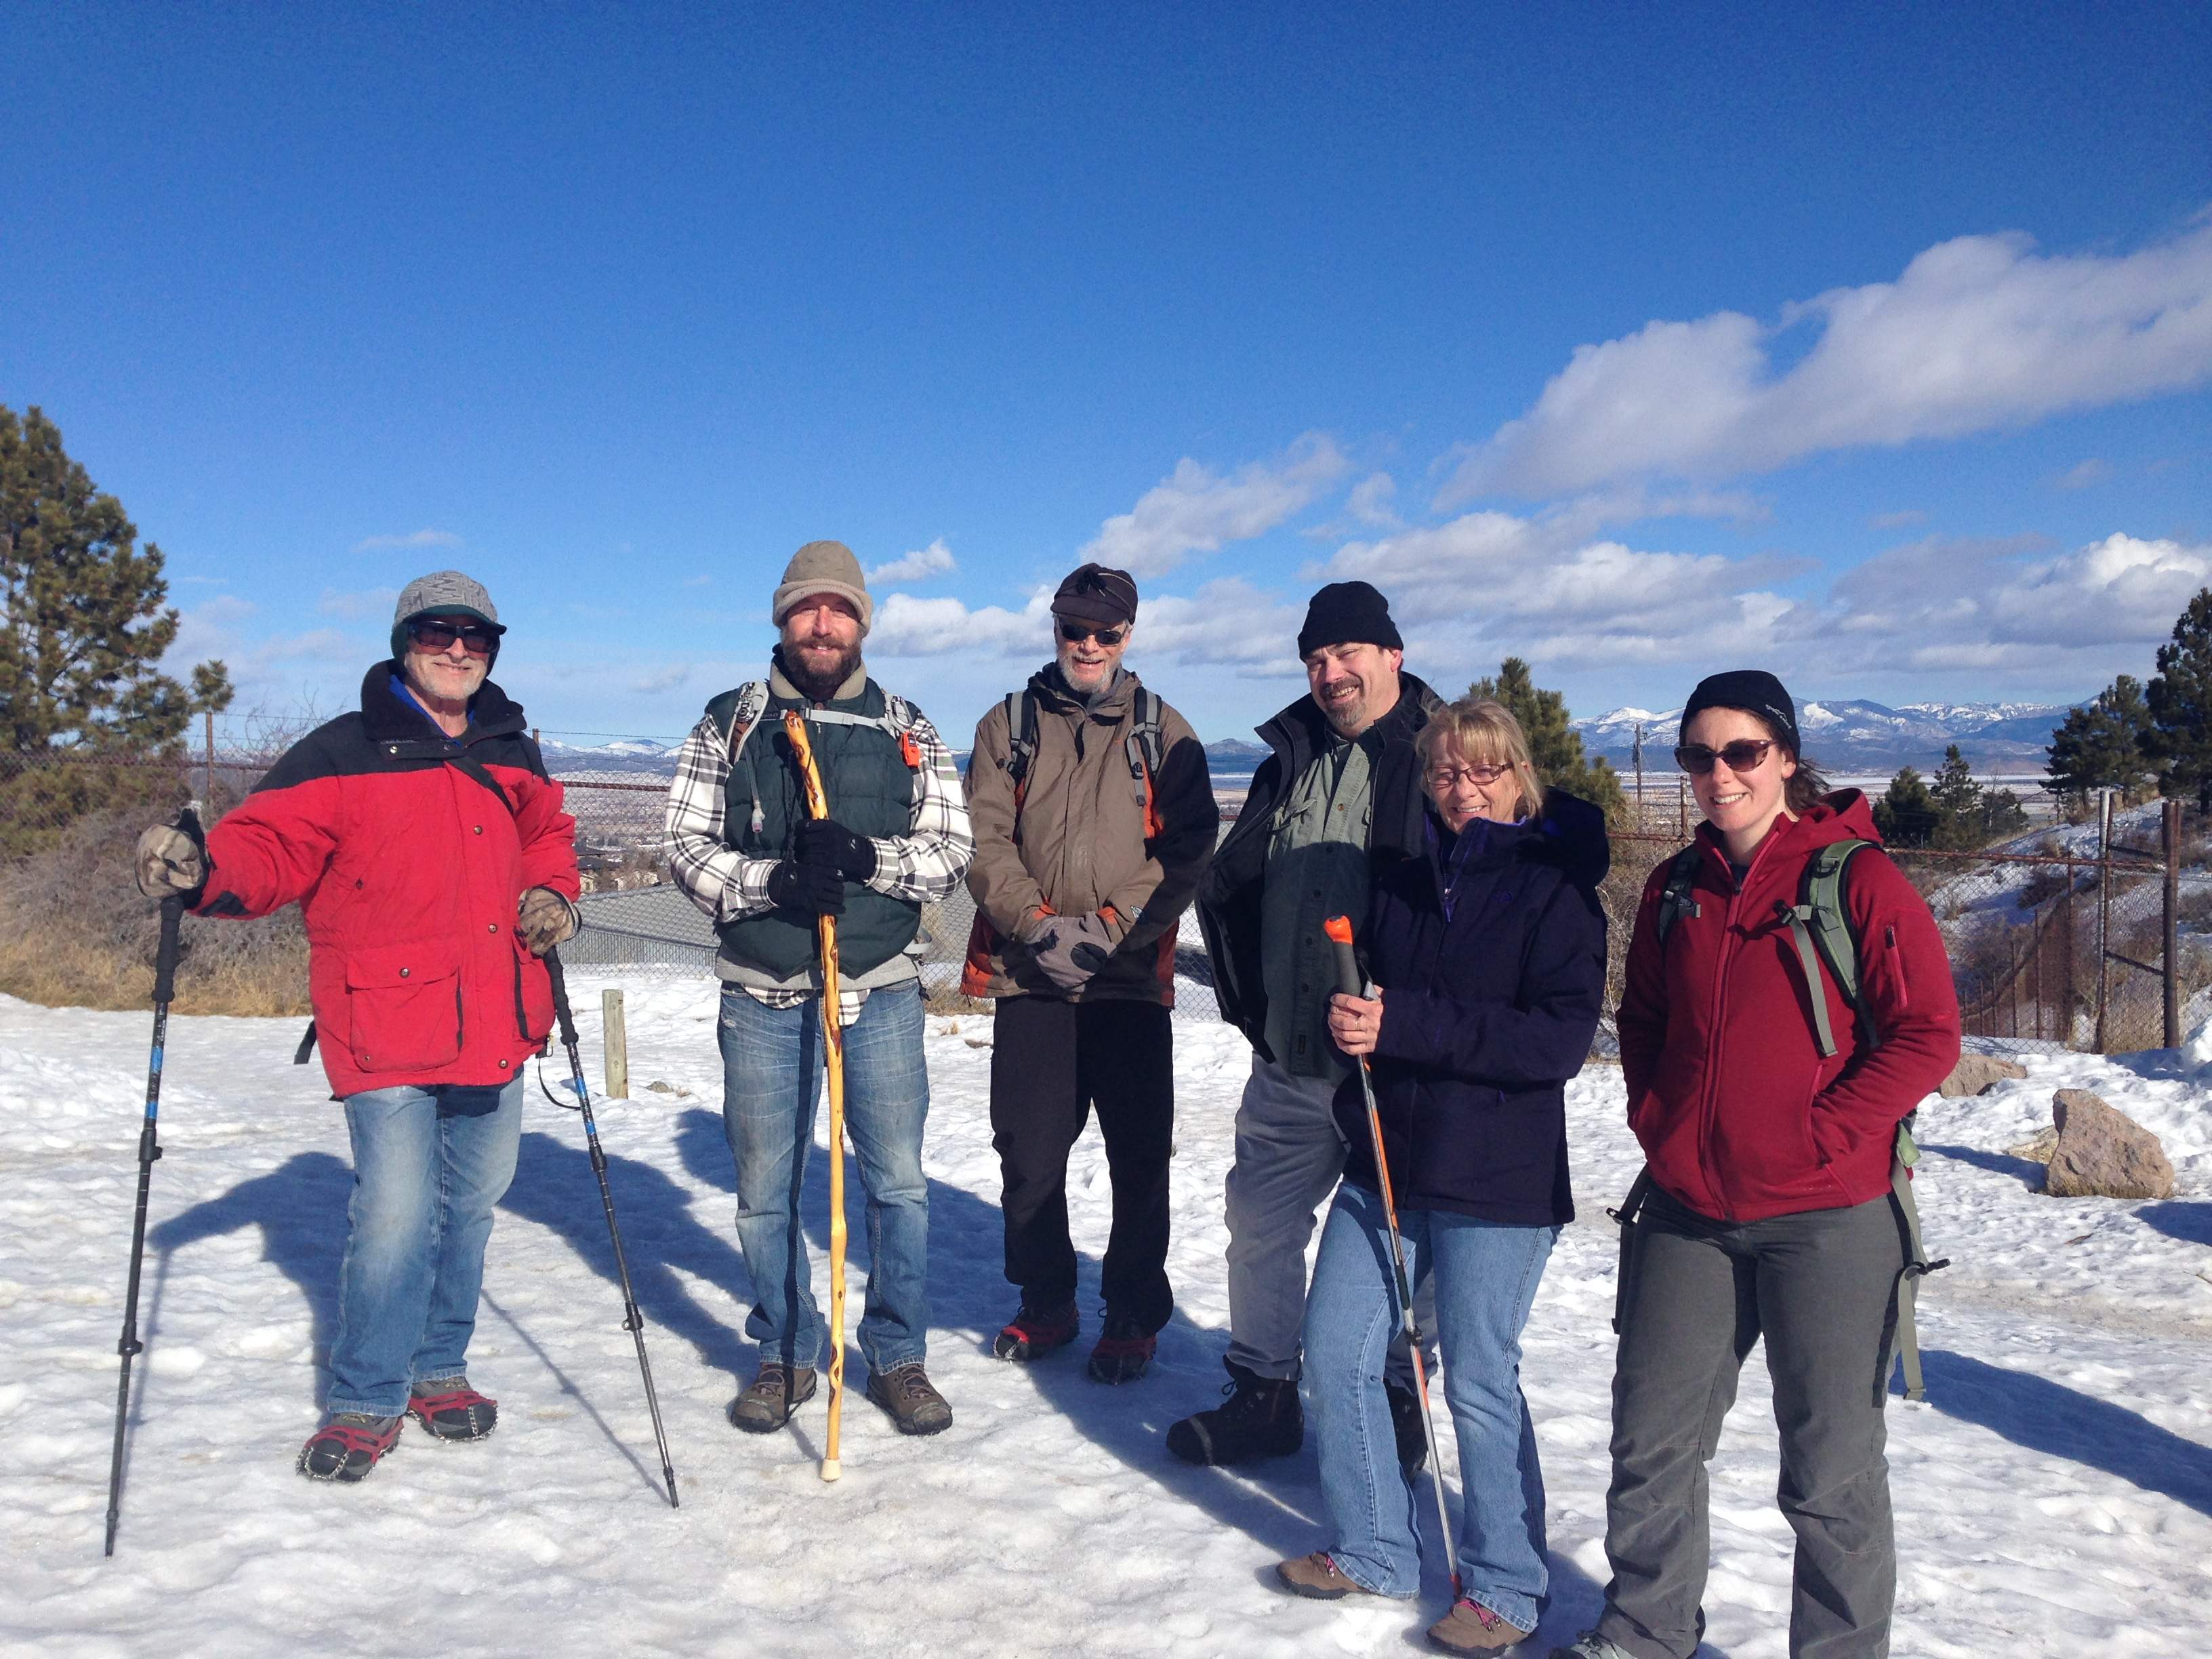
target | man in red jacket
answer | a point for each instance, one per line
(433, 865)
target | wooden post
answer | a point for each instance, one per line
(2104, 917)
(214, 812)
(2169, 820)
(614, 1043)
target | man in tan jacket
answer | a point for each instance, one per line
(1094, 822)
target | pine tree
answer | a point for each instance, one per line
(1906, 815)
(1552, 745)
(84, 625)
(2099, 745)
(2179, 697)
(1957, 799)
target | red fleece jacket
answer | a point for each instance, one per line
(1739, 1116)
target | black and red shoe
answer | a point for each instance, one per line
(1035, 1332)
(1124, 1350)
(348, 1446)
(449, 1409)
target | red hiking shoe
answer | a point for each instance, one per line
(1033, 1333)
(1125, 1350)
(347, 1447)
(451, 1410)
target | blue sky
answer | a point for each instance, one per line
(1872, 343)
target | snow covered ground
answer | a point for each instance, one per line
(2054, 1498)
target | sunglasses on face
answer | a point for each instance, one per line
(1451, 777)
(1075, 633)
(1744, 754)
(434, 634)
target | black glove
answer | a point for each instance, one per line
(825, 841)
(814, 888)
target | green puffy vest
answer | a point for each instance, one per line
(871, 792)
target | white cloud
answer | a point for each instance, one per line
(1369, 500)
(1978, 333)
(2094, 470)
(920, 565)
(909, 627)
(412, 538)
(662, 679)
(1197, 510)
(359, 605)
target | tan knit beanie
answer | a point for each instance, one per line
(823, 568)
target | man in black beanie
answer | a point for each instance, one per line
(1340, 789)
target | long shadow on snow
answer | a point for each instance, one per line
(2191, 1223)
(2047, 1417)
(2026, 1170)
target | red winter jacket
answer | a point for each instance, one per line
(407, 852)
(1739, 1116)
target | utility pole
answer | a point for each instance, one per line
(1635, 753)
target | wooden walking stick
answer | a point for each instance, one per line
(833, 1057)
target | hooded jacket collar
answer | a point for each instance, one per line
(390, 717)
(1845, 815)
(1299, 733)
(780, 685)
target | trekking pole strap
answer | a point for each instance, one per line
(1917, 1265)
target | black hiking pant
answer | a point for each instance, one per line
(1695, 1295)
(1051, 1063)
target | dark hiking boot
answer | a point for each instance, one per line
(1317, 1577)
(1125, 1348)
(1406, 1427)
(451, 1410)
(776, 1392)
(914, 1407)
(1262, 1418)
(1470, 1627)
(347, 1447)
(1033, 1333)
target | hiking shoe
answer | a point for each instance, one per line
(914, 1405)
(1470, 1627)
(776, 1392)
(347, 1447)
(451, 1410)
(1590, 1646)
(1316, 1575)
(1124, 1349)
(1033, 1333)
(1260, 1419)
(1406, 1427)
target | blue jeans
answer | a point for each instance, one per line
(771, 1080)
(1487, 1275)
(428, 1165)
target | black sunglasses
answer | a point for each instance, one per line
(1075, 633)
(1744, 754)
(436, 633)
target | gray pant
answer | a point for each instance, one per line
(1289, 1157)
(1695, 1296)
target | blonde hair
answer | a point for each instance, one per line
(1482, 731)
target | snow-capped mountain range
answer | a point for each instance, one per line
(1851, 734)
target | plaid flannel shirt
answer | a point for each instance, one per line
(922, 866)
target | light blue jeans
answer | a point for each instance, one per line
(1486, 1275)
(772, 1075)
(428, 1165)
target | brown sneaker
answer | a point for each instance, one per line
(771, 1397)
(1470, 1627)
(1316, 1575)
(914, 1407)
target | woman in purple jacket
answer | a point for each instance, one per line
(1488, 953)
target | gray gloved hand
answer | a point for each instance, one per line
(545, 919)
(169, 862)
(1069, 949)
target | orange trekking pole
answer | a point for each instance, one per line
(833, 1057)
(1353, 984)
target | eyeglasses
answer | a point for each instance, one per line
(436, 633)
(1075, 633)
(1450, 777)
(1744, 754)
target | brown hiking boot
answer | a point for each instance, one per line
(914, 1407)
(771, 1397)
(1315, 1576)
(1470, 1627)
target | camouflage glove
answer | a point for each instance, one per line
(543, 919)
(169, 863)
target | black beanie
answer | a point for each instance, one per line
(1096, 593)
(1753, 690)
(1348, 613)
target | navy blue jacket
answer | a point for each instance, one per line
(1485, 1015)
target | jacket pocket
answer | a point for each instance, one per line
(534, 994)
(404, 1009)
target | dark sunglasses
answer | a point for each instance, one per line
(436, 634)
(1075, 633)
(1744, 754)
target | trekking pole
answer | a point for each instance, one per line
(1348, 980)
(149, 1148)
(833, 1056)
(633, 1321)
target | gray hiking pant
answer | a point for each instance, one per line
(1289, 1157)
(1694, 1296)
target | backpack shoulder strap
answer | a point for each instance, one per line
(735, 713)
(1821, 923)
(1675, 898)
(1144, 746)
(1021, 735)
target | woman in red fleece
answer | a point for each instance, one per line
(1769, 1211)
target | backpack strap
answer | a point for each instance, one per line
(1906, 1341)
(735, 714)
(1820, 926)
(1143, 747)
(1676, 899)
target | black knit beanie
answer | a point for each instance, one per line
(1755, 691)
(1348, 613)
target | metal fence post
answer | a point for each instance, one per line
(2170, 838)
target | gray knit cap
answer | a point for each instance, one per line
(442, 594)
(823, 568)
